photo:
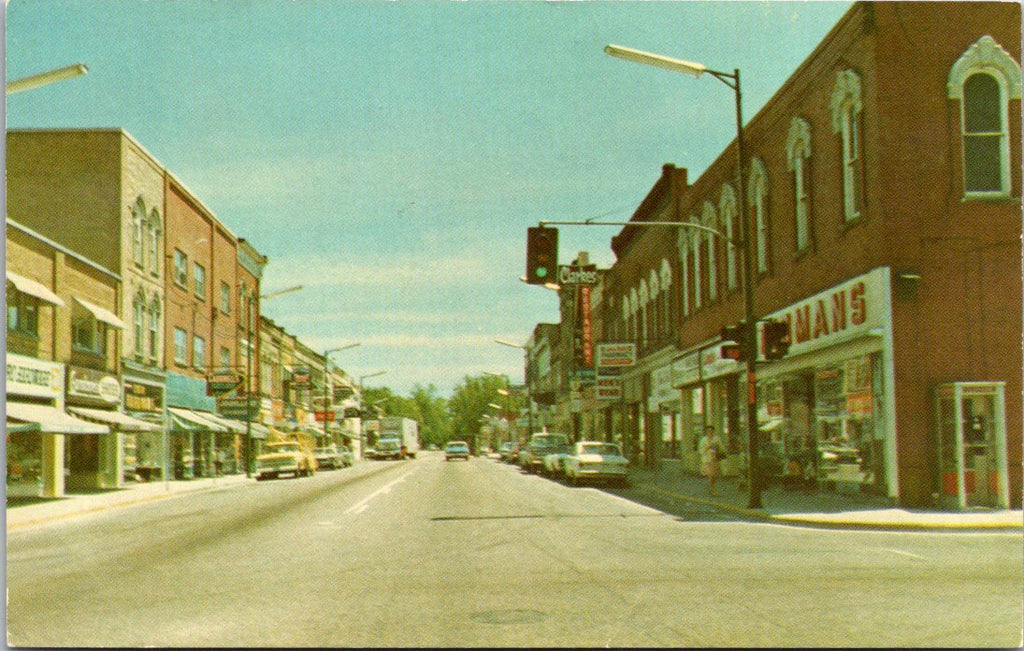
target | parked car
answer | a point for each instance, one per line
(507, 450)
(456, 450)
(596, 460)
(531, 457)
(369, 453)
(328, 457)
(284, 458)
(348, 459)
(554, 461)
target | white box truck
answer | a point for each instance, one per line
(399, 438)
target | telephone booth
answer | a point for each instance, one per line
(972, 445)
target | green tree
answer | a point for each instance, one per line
(470, 401)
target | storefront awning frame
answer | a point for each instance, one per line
(52, 420)
(123, 422)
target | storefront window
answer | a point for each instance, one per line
(24, 464)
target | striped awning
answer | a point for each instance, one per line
(51, 420)
(123, 422)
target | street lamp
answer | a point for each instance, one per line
(326, 353)
(250, 299)
(44, 78)
(529, 371)
(732, 80)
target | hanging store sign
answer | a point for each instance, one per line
(585, 275)
(608, 387)
(615, 355)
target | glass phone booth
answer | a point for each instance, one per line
(972, 445)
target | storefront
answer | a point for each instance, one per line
(101, 462)
(146, 453)
(37, 427)
(192, 438)
(825, 411)
(710, 396)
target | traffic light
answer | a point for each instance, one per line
(776, 339)
(736, 335)
(541, 255)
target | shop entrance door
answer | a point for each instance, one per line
(972, 445)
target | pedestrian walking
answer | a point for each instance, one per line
(709, 452)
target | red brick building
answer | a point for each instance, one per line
(883, 192)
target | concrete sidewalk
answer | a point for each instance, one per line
(820, 507)
(38, 511)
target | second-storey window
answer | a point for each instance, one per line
(22, 312)
(225, 298)
(758, 194)
(180, 347)
(180, 269)
(88, 334)
(198, 352)
(846, 122)
(199, 278)
(985, 78)
(798, 151)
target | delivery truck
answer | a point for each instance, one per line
(399, 438)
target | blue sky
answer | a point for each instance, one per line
(390, 155)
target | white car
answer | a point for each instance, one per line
(554, 461)
(596, 460)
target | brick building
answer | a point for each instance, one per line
(883, 193)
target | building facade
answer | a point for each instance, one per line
(882, 189)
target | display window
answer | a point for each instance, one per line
(823, 426)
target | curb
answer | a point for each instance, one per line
(116, 504)
(826, 523)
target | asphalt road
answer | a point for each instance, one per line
(429, 553)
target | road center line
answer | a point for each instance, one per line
(362, 505)
(903, 553)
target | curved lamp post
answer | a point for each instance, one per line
(732, 80)
(44, 78)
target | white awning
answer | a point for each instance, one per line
(194, 420)
(259, 431)
(232, 425)
(33, 288)
(124, 422)
(102, 314)
(52, 420)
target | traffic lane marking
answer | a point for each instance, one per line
(364, 503)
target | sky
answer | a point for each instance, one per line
(389, 155)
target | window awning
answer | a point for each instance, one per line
(33, 288)
(124, 422)
(189, 420)
(259, 431)
(52, 420)
(102, 314)
(232, 425)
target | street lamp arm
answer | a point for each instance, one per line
(283, 291)
(43, 78)
(700, 227)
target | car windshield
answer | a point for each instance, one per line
(285, 447)
(604, 449)
(549, 441)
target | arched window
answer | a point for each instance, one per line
(683, 244)
(729, 216)
(757, 193)
(798, 151)
(154, 330)
(139, 323)
(698, 277)
(138, 227)
(710, 219)
(666, 286)
(985, 78)
(155, 230)
(846, 121)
